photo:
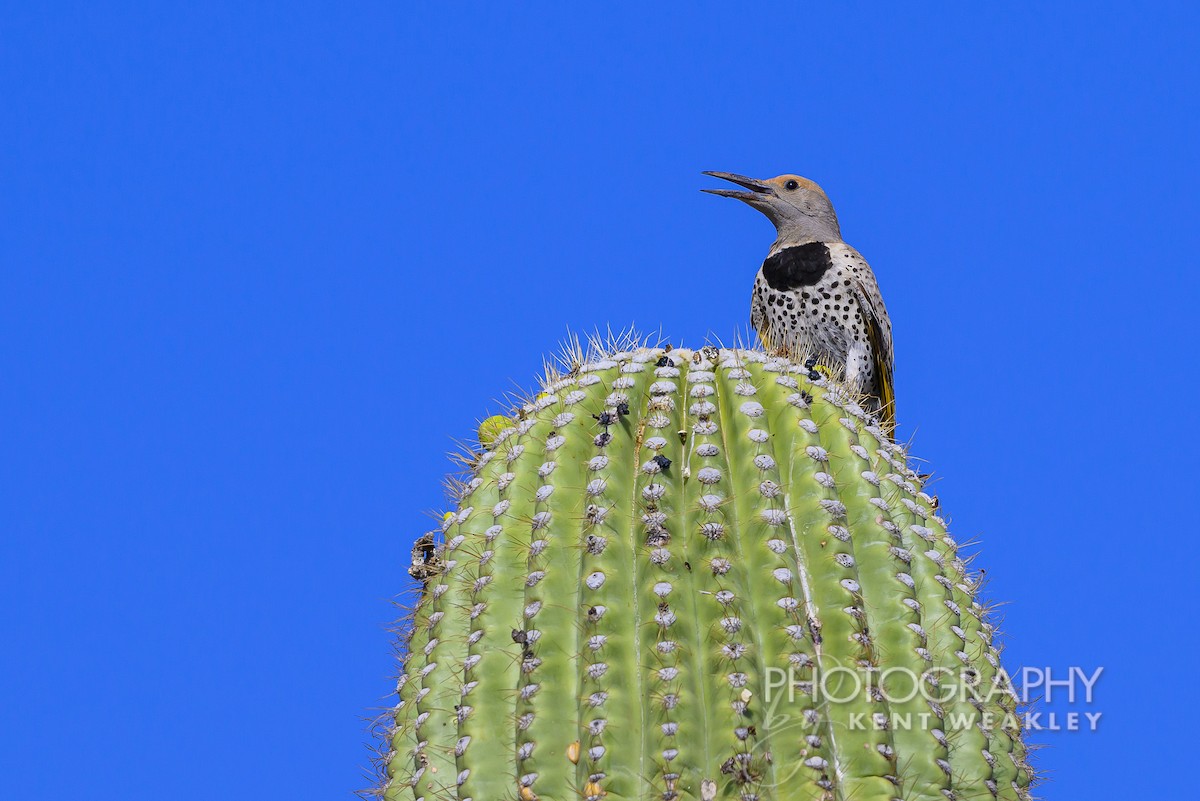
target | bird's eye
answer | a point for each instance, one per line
(791, 185)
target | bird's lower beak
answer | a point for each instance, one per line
(757, 188)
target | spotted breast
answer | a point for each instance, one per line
(820, 300)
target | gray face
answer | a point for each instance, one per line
(799, 209)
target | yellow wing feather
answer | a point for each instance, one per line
(881, 356)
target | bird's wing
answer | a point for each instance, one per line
(879, 337)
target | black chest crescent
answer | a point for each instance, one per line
(798, 266)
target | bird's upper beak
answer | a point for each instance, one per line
(759, 190)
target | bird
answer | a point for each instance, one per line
(815, 298)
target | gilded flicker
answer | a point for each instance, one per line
(815, 298)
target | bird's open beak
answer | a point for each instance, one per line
(757, 188)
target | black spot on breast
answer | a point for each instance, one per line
(794, 267)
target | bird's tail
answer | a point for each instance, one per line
(887, 408)
(887, 393)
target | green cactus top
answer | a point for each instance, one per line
(698, 575)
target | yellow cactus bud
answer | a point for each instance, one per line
(489, 429)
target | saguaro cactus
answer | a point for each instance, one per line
(698, 575)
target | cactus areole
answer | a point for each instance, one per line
(700, 575)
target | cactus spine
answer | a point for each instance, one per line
(698, 575)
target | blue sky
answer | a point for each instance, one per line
(259, 267)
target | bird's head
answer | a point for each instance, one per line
(799, 209)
